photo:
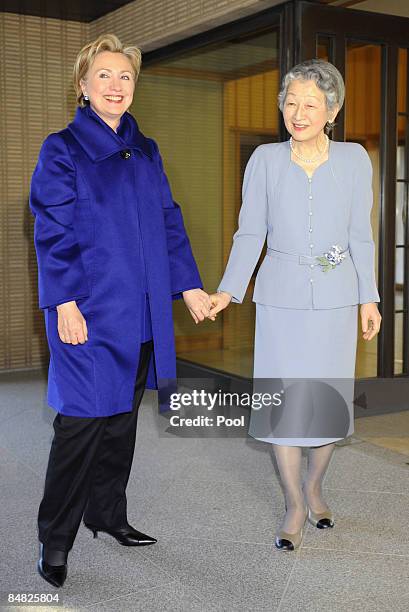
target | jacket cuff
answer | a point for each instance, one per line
(179, 294)
(70, 298)
(236, 297)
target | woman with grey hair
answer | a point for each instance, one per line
(311, 197)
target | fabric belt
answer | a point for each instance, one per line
(300, 259)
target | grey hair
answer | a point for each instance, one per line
(327, 78)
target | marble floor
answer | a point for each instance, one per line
(214, 505)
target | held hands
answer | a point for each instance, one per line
(370, 320)
(198, 304)
(72, 327)
(202, 306)
(219, 301)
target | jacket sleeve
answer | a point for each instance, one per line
(184, 274)
(249, 239)
(361, 244)
(61, 275)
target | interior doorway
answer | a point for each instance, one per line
(371, 52)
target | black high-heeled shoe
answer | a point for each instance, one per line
(54, 574)
(127, 536)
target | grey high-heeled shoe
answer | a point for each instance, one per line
(321, 520)
(290, 541)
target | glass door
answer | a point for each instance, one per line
(371, 50)
(209, 102)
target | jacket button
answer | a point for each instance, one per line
(126, 154)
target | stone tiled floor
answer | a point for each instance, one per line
(214, 505)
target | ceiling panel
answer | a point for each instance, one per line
(74, 10)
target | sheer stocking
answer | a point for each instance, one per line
(318, 461)
(289, 464)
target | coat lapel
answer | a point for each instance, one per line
(100, 141)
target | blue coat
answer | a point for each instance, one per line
(302, 219)
(106, 231)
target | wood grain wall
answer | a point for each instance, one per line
(36, 98)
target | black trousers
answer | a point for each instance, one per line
(88, 470)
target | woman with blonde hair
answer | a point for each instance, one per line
(112, 254)
(311, 197)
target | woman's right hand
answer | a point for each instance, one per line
(72, 327)
(219, 302)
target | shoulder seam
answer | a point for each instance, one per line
(61, 137)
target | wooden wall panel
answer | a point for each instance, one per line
(36, 98)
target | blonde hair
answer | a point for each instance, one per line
(85, 58)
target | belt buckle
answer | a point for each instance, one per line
(304, 260)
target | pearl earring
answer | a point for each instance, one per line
(86, 97)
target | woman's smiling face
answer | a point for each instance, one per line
(110, 86)
(305, 111)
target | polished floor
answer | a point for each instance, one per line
(214, 505)
(239, 361)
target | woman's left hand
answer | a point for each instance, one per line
(198, 304)
(370, 320)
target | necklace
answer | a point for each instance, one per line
(309, 161)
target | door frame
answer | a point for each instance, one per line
(391, 33)
(301, 21)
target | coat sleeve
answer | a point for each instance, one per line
(361, 244)
(61, 275)
(249, 239)
(184, 274)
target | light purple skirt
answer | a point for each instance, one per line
(296, 346)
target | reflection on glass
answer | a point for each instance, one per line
(402, 117)
(401, 199)
(402, 85)
(362, 122)
(324, 47)
(401, 234)
(209, 109)
(398, 364)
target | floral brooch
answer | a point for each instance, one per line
(333, 258)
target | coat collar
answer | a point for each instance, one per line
(100, 141)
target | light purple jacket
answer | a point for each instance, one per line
(302, 219)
